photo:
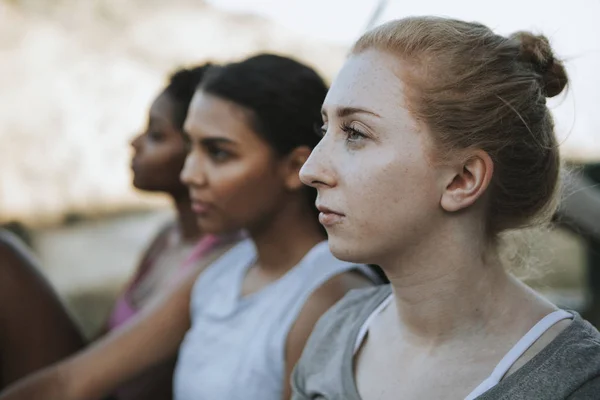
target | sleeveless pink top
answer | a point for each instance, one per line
(124, 310)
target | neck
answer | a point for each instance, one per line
(451, 287)
(186, 220)
(286, 237)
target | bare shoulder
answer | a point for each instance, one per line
(21, 279)
(324, 297)
(17, 262)
(318, 303)
(11, 244)
(338, 286)
(36, 328)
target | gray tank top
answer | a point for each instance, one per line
(235, 348)
(567, 368)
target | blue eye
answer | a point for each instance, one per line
(352, 134)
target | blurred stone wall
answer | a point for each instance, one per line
(76, 78)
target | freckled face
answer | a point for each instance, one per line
(377, 189)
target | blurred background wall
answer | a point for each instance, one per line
(76, 78)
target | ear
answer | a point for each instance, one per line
(292, 164)
(467, 181)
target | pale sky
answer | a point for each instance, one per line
(572, 27)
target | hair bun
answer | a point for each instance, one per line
(536, 50)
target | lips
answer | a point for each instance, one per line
(200, 207)
(329, 217)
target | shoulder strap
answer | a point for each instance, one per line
(156, 247)
(518, 350)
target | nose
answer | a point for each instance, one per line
(192, 174)
(317, 171)
(136, 142)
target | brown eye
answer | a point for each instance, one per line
(156, 136)
(218, 154)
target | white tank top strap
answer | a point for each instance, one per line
(518, 350)
(365, 326)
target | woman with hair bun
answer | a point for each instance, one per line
(437, 139)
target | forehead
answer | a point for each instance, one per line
(368, 80)
(162, 107)
(211, 116)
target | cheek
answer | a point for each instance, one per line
(390, 204)
(390, 186)
(174, 152)
(242, 189)
(164, 155)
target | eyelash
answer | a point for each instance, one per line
(353, 135)
(352, 132)
(155, 136)
(346, 128)
(217, 154)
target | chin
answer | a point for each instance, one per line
(143, 186)
(207, 227)
(349, 252)
(137, 184)
(213, 226)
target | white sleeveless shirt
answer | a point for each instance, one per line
(236, 347)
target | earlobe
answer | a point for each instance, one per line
(469, 182)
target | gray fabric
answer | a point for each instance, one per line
(568, 368)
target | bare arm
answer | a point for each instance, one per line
(317, 304)
(152, 337)
(35, 328)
